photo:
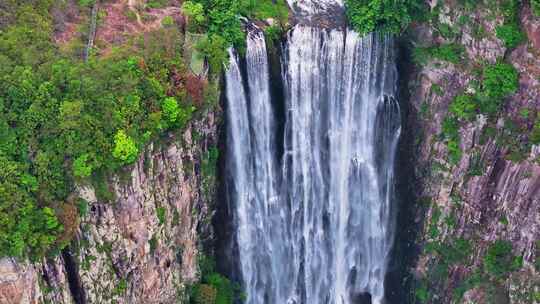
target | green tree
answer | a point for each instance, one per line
(386, 15)
(125, 148)
(511, 34)
(500, 80)
(25, 229)
(195, 11)
(81, 166)
(463, 106)
(171, 110)
(499, 260)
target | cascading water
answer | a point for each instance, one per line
(314, 225)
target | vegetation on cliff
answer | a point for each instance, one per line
(220, 21)
(63, 120)
(473, 85)
(384, 15)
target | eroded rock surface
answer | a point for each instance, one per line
(142, 245)
(490, 194)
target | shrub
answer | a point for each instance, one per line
(385, 15)
(272, 34)
(167, 21)
(170, 110)
(174, 114)
(500, 80)
(452, 53)
(81, 166)
(125, 148)
(224, 287)
(422, 293)
(499, 260)
(463, 107)
(535, 5)
(454, 152)
(264, 9)
(161, 213)
(195, 12)
(450, 130)
(121, 287)
(214, 47)
(510, 34)
(54, 108)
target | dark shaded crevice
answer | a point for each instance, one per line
(72, 272)
(399, 280)
(225, 249)
(277, 93)
(212, 234)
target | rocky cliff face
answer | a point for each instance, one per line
(490, 196)
(141, 245)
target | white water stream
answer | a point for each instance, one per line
(314, 225)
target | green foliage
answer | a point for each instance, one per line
(86, 2)
(476, 166)
(153, 242)
(121, 287)
(161, 213)
(464, 107)
(167, 21)
(535, 5)
(500, 80)
(171, 110)
(157, 3)
(25, 229)
(469, 5)
(511, 34)
(81, 166)
(450, 130)
(272, 34)
(214, 288)
(220, 20)
(82, 205)
(453, 53)
(384, 15)
(422, 292)
(499, 260)
(264, 9)
(125, 148)
(195, 11)
(214, 47)
(174, 114)
(62, 119)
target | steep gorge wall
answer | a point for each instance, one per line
(142, 246)
(490, 194)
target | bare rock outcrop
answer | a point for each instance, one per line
(490, 194)
(142, 243)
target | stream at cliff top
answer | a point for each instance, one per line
(313, 218)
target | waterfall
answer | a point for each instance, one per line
(314, 225)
